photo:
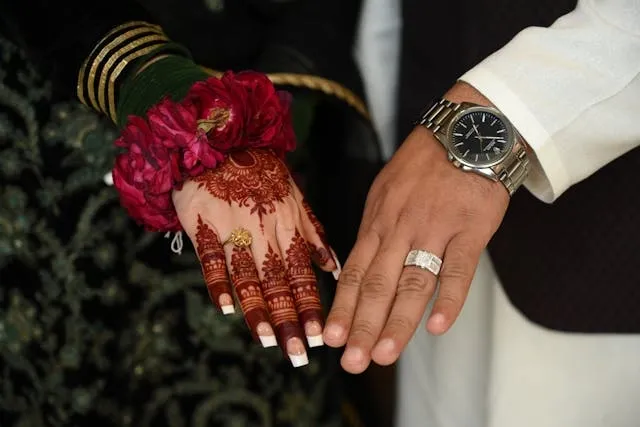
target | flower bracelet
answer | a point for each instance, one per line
(178, 140)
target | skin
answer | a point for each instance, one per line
(418, 201)
(271, 278)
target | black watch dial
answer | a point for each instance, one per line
(480, 138)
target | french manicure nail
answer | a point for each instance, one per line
(228, 309)
(266, 335)
(338, 270)
(313, 330)
(297, 353)
(226, 304)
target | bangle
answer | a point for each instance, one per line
(176, 139)
(112, 58)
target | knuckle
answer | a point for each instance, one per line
(351, 276)
(450, 300)
(456, 270)
(402, 322)
(467, 213)
(375, 287)
(340, 313)
(363, 328)
(414, 282)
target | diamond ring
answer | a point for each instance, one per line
(424, 260)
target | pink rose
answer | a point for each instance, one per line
(145, 177)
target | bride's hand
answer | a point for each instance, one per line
(255, 237)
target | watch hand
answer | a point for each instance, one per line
(489, 137)
(490, 145)
(468, 134)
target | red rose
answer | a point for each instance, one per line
(285, 141)
(145, 177)
(269, 122)
(175, 127)
(183, 139)
(221, 109)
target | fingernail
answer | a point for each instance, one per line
(353, 355)
(266, 335)
(313, 330)
(436, 323)
(338, 270)
(226, 304)
(387, 345)
(297, 353)
(334, 332)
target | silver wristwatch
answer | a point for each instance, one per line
(479, 139)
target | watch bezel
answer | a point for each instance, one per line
(463, 111)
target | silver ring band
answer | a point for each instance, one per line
(424, 260)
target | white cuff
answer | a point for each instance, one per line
(548, 177)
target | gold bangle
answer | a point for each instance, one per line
(111, 88)
(116, 56)
(83, 69)
(92, 64)
(309, 81)
(101, 57)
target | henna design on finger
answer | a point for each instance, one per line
(214, 267)
(282, 306)
(254, 179)
(304, 287)
(320, 255)
(276, 291)
(247, 286)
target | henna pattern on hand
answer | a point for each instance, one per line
(278, 296)
(320, 255)
(247, 286)
(212, 259)
(303, 281)
(256, 179)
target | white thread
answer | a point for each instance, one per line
(176, 244)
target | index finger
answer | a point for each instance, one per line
(344, 304)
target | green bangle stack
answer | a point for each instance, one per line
(171, 76)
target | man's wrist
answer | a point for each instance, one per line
(461, 104)
(464, 92)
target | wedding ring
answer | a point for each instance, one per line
(424, 260)
(240, 238)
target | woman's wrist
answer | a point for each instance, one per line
(115, 58)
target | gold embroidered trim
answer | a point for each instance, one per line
(309, 81)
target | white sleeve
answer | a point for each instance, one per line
(572, 91)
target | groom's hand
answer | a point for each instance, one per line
(418, 201)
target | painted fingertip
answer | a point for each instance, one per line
(228, 309)
(298, 360)
(338, 270)
(268, 341)
(315, 341)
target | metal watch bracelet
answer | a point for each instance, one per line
(511, 171)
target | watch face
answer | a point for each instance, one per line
(480, 138)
